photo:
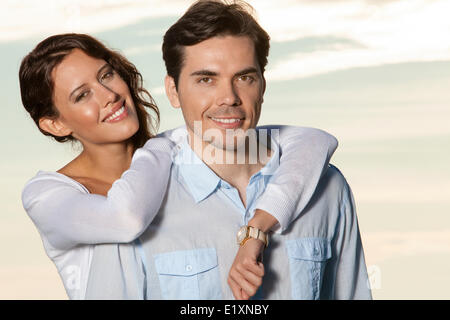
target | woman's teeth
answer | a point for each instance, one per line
(116, 114)
(226, 120)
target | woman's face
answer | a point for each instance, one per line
(94, 103)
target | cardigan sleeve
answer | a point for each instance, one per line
(305, 154)
(68, 215)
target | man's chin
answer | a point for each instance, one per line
(228, 140)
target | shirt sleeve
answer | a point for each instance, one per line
(346, 275)
(305, 154)
(68, 216)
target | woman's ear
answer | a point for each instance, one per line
(54, 126)
(171, 92)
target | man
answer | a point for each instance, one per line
(215, 57)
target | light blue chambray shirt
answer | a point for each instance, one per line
(187, 251)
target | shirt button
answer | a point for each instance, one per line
(188, 267)
(316, 251)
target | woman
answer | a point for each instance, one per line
(76, 89)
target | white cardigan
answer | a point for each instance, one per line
(71, 221)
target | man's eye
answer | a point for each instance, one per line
(205, 80)
(246, 78)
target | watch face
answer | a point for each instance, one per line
(242, 233)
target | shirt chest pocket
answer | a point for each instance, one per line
(189, 274)
(307, 260)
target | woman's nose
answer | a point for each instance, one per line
(108, 96)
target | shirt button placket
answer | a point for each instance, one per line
(316, 273)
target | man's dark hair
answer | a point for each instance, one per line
(208, 19)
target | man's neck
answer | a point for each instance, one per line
(232, 166)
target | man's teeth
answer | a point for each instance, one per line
(116, 114)
(226, 120)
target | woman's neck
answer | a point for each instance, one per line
(108, 162)
(104, 163)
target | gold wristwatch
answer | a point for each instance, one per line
(247, 232)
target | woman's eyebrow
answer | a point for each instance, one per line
(72, 93)
(106, 65)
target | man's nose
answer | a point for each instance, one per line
(227, 95)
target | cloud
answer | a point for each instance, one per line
(28, 18)
(138, 50)
(381, 246)
(302, 65)
(386, 32)
(399, 31)
(155, 91)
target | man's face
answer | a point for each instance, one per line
(220, 86)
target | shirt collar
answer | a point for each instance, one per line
(201, 180)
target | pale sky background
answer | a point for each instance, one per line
(376, 74)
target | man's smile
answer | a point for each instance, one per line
(227, 123)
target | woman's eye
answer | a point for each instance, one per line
(107, 75)
(81, 96)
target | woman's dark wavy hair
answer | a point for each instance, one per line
(36, 83)
(207, 19)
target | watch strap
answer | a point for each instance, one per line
(256, 233)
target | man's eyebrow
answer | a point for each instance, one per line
(106, 65)
(212, 73)
(204, 73)
(246, 71)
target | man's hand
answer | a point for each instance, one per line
(247, 271)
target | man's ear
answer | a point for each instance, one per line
(263, 88)
(171, 91)
(54, 127)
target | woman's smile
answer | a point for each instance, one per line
(117, 114)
